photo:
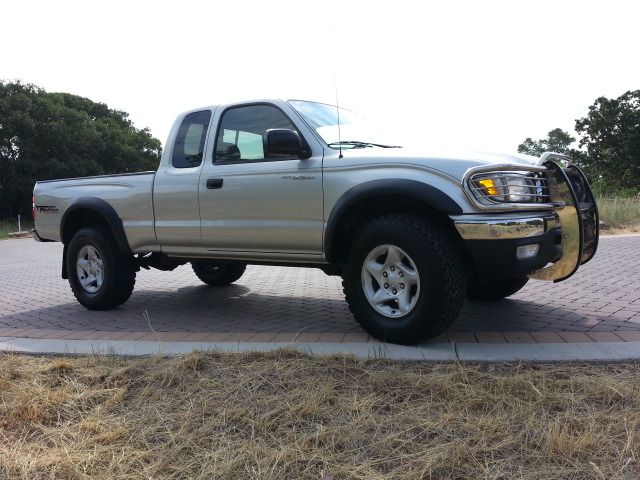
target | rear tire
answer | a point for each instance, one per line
(100, 276)
(497, 288)
(415, 259)
(218, 275)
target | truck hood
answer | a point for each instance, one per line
(454, 164)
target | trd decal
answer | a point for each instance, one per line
(47, 209)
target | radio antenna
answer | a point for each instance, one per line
(335, 83)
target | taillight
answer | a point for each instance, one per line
(33, 208)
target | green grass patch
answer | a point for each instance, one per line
(8, 226)
(620, 212)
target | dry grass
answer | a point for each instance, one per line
(287, 416)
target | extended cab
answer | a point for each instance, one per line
(285, 183)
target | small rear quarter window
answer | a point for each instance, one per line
(189, 145)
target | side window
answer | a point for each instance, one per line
(189, 145)
(242, 131)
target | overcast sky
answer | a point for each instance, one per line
(479, 75)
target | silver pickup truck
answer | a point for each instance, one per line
(300, 183)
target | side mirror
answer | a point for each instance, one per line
(282, 141)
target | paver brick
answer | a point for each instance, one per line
(305, 337)
(629, 336)
(284, 337)
(355, 337)
(263, 337)
(604, 337)
(8, 331)
(18, 332)
(216, 337)
(462, 337)
(490, 337)
(518, 337)
(575, 337)
(547, 337)
(194, 337)
(246, 337)
(331, 337)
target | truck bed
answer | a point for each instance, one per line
(130, 194)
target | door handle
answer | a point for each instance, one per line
(214, 183)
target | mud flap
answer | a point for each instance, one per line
(578, 214)
(65, 274)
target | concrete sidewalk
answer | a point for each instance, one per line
(431, 352)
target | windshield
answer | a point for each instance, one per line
(323, 118)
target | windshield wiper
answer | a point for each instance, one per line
(359, 144)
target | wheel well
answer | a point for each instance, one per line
(82, 217)
(79, 217)
(366, 209)
(92, 211)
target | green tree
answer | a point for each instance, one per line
(56, 135)
(557, 141)
(610, 138)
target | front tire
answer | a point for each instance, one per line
(497, 288)
(100, 276)
(404, 281)
(218, 275)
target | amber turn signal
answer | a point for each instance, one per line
(489, 186)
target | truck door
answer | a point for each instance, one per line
(255, 202)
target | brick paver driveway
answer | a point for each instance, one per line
(600, 303)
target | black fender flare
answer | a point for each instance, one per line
(105, 211)
(422, 192)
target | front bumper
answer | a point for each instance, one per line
(505, 227)
(566, 236)
(493, 242)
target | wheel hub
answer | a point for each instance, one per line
(90, 269)
(393, 281)
(390, 281)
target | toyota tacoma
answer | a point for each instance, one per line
(299, 183)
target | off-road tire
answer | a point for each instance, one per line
(119, 269)
(496, 288)
(218, 275)
(440, 268)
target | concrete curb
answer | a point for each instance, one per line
(434, 352)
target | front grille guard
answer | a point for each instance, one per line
(563, 188)
(579, 220)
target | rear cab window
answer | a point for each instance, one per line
(188, 148)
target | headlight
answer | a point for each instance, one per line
(520, 189)
(504, 188)
(508, 187)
